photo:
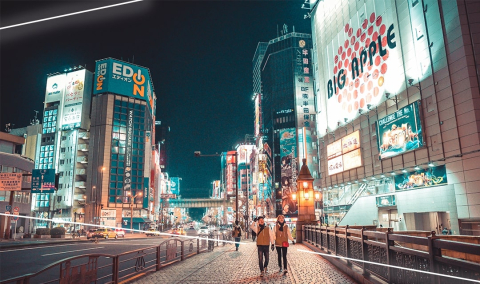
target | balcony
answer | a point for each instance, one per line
(84, 135)
(81, 172)
(80, 184)
(82, 147)
(82, 159)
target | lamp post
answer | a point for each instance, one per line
(132, 198)
(306, 207)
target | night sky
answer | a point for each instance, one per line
(199, 54)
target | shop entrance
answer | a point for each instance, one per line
(428, 221)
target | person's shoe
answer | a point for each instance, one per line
(265, 270)
(236, 249)
(261, 274)
(280, 271)
(285, 271)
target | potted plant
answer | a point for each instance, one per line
(42, 233)
(58, 232)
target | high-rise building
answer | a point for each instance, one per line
(63, 145)
(398, 92)
(288, 117)
(122, 137)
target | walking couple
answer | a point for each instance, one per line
(276, 238)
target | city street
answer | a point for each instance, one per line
(33, 258)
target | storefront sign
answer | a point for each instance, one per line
(335, 165)
(344, 154)
(334, 149)
(128, 152)
(399, 132)
(423, 178)
(352, 160)
(388, 200)
(10, 181)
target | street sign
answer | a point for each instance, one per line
(8, 207)
(16, 217)
(10, 181)
(43, 181)
(16, 209)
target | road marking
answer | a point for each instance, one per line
(39, 247)
(71, 251)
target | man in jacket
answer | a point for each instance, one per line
(237, 234)
(265, 239)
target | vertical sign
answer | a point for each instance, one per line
(231, 172)
(128, 151)
(146, 191)
(289, 170)
(175, 185)
(73, 100)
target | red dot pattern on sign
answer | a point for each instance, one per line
(367, 85)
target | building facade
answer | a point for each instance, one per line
(397, 88)
(119, 190)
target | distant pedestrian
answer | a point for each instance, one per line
(237, 234)
(282, 235)
(265, 238)
(445, 231)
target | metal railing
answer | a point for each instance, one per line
(390, 248)
(107, 268)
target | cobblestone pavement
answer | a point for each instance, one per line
(225, 265)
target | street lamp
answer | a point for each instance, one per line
(306, 211)
(132, 198)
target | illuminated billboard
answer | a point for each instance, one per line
(244, 153)
(399, 132)
(289, 170)
(123, 78)
(344, 154)
(175, 185)
(55, 88)
(73, 100)
(231, 172)
(422, 178)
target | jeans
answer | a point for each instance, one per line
(237, 242)
(282, 251)
(263, 250)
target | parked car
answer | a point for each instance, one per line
(203, 230)
(90, 233)
(105, 234)
(152, 232)
(120, 233)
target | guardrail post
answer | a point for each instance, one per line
(389, 243)
(182, 257)
(347, 247)
(328, 240)
(364, 249)
(115, 268)
(198, 245)
(159, 259)
(335, 241)
(432, 252)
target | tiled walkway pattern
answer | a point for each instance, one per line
(225, 265)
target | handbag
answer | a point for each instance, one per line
(285, 244)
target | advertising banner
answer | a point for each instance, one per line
(423, 178)
(73, 100)
(360, 58)
(399, 132)
(108, 217)
(352, 160)
(244, 152)
(334, 149)
(305, 148)
(123, 78)
(175, 185)
(231, 172)
(383, 201)
(335, 165)
(289, 170)
(55, 88)
(127, 181)
(216, 189)
(43, 181)
(10, 181)
(351, 142)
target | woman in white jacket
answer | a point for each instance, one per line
(282, 236)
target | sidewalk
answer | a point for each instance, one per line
(225, 265)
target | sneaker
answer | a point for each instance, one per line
(265, 270)
(261, 274)
(285, 271)
(280, 271)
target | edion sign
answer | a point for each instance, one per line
(123, 78)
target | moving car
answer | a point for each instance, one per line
(179, 231)
(90, 233)
(152, 232)
(105, 234)
(191, 231)
(120, 233)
